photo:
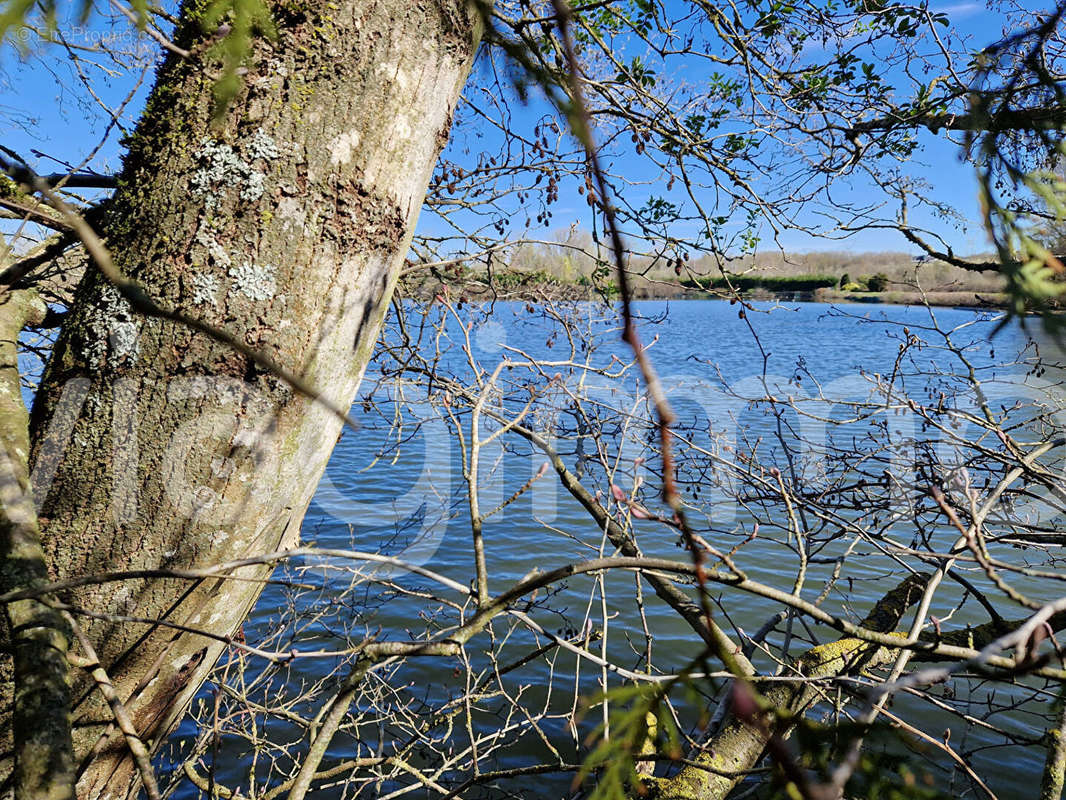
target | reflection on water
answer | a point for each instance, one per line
(398, 487)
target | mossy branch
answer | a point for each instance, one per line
(739, 745)
(44, 753)
(1055, 763)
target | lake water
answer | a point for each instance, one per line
(399, 489)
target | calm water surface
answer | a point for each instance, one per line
(410, 502)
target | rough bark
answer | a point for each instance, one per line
(287, 221)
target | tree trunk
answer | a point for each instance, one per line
(286, 223)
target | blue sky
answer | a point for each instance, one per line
(45, 109)
(937, 162)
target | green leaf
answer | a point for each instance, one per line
(14, 16)
(245, 18)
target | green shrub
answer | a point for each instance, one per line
(877, 283)
(771, 283)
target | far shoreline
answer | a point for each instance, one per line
(538, 291)
(963, 300)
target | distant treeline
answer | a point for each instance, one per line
(575, 260)
(569, 258)
(869, 271)
(770, 283)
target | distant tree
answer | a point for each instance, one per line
(877, 282)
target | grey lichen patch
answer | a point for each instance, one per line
(124, 345)
(205, 289)
(221, 168)
(254, 187)
(253, 281)
(206, 239)
(261, 146)
(110, 333)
